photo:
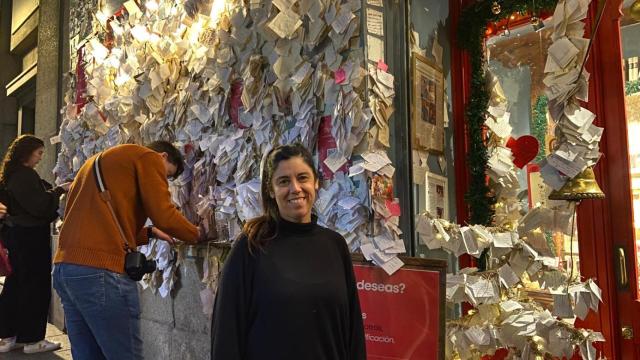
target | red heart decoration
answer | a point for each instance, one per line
(524, 149)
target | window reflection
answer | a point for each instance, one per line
(630, 30)
(433, 174)
(517, 57)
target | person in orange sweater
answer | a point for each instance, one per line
(100, 301)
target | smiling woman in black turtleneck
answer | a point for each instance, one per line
(287, 289)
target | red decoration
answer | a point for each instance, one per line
(326, 147)
(516, 20)
(340, 76)
(524, 149)
(382, 66)
(394, 207)
(491, 29)
(235, 104)
(81, 82)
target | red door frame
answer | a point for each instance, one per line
(601, 224)
(461, 88)
(608, 224)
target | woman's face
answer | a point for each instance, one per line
(35, 157)
(294, 187)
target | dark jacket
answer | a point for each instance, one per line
(31, 200)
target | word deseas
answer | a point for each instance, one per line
(388, 288)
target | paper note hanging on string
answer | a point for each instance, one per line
(562, 306)
(392, 265)
(507, 276)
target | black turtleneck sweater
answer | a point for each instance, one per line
(295, 300)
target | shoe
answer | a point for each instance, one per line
(9, 344)
(41, 346)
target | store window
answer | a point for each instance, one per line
(423, 133)
(413, 39)
(516, 57)
(431, 131)
(630, 30)
(386, 41)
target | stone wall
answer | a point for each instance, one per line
(176, 327)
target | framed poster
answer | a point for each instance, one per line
(427, 107)
(437, 195)
(403, 314)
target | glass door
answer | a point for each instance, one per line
(630, 32)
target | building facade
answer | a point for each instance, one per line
(39, 39)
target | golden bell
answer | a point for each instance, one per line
(582, 187)
(496, 8)
(535, 20)
(634, 10)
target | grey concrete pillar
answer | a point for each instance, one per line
(48, 82)
(10, 68)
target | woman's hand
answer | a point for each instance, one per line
(66, 186)
(3, 210)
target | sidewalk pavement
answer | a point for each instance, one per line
(53, 334)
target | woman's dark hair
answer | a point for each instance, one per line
(174, 155)
(261, 230)
(17, 154)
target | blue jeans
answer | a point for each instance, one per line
(102, 312)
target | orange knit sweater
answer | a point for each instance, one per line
(136, 178)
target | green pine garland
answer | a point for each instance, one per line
(471, 35)
(539, 124)
(632, 87)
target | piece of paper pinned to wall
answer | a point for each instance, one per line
(375, 48)
(375, 22)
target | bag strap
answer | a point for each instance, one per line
(105, 195)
